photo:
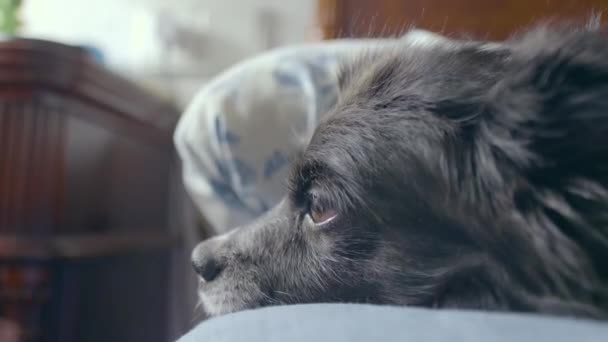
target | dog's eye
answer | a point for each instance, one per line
(320, 214)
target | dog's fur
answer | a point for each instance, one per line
(462, 176)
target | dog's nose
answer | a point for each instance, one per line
(208, 269)
(205, 261)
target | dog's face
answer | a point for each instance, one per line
(435, 181)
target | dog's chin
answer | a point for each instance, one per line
(216, 305)
(217, 300)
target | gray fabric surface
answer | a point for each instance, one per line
(358, 323)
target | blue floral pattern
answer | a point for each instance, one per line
(274, 163)
(235, 166)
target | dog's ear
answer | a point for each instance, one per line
(546, 118)
(553, 103)
(535, 145)
(546, 122)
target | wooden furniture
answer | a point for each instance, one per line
(86, 160)
(482, 19)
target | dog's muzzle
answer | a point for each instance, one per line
(205, 259)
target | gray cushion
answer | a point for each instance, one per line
(356, 322)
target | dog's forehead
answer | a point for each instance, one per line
(421, 63)
(388, 94)
(430, 73)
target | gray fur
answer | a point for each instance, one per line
(463, 177)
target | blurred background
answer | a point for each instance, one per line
(95, 228)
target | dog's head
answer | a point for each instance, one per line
(448, 175)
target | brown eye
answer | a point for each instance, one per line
(320, 215)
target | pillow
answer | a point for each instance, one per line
(238, 134)
(360, 322)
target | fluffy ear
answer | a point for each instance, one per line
(549, 120)
(554, 102)
(535, 144)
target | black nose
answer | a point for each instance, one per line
(208, 269)
(205, 260)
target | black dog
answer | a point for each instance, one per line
(449, 175)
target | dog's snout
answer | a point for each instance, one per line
(205, 260)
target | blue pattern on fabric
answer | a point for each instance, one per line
(246, 172)
(286, 78)
(274, 163)
(223, 135)
(227, 194)
(231, 138)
